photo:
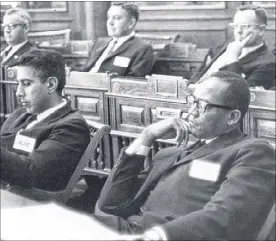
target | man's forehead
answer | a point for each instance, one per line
(246, 16)
(26, 72)
(210, 88)
(13, 18)
(116, 10)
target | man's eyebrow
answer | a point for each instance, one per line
(21, 80)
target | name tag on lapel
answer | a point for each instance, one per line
(24, 143)
(121, 61)
(204, 170)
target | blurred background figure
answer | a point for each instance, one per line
(16, 25)
(248, 54)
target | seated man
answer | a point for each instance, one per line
(42, 141)
(16, 25)
(221, 188)
(248, 54)
(123, 53)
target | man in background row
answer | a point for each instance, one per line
(16, 25)
(43, 140)
(248, 54)
(122, 52)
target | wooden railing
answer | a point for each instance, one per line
(128, 105)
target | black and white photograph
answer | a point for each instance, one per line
(138, 120)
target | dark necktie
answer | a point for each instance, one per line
(188, 150)
(23, 121)
(7, 52)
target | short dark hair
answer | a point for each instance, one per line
(131, 8)
(47, 63)
(259, 12)
(237, 94)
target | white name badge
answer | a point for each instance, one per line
(24, 143)
(121, 61)
(204, 170)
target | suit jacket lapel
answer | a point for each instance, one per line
(16, 54)
(219, 53)
(51, 118)
(56, 115)
(121, 49)
(99, 49)
(213, 146)
(251, 56)
(158, 170)
(166, 164)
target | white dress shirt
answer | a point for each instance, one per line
(46, 113)
(221, 60)
(113, 45)
(13, 50)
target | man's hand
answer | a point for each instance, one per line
(166, 129)
(234, 49)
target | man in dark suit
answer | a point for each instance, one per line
(121, 52)
(43, 140)
(247, 55)
(16, 25)
(221, 188)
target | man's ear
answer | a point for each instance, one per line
(27, 27)
(132, 23)
(52, 83)
(234, 117)
(262, 30)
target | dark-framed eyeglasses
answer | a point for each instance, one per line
(11, 26)
(244, 26)
(202, 105)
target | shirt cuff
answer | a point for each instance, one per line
(138, 150)
(156, 233)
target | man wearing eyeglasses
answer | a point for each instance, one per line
(248, 54)
(221, 187)
(16, 25)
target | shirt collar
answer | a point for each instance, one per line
(48, 112)
(209, 140)
(124, 38)
(247, 50)
(17, 46)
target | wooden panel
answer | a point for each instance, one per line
(11, 99)
(206, 26)
(2, 103)
(88, 102)
(262, 124)
(260, 119)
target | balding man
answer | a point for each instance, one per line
(16, 25)
(221, 187)
(248, 54)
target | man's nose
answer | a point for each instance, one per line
(110, 21)
(239, 29)
(7, 30)
(193, 110)
(19, 92)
